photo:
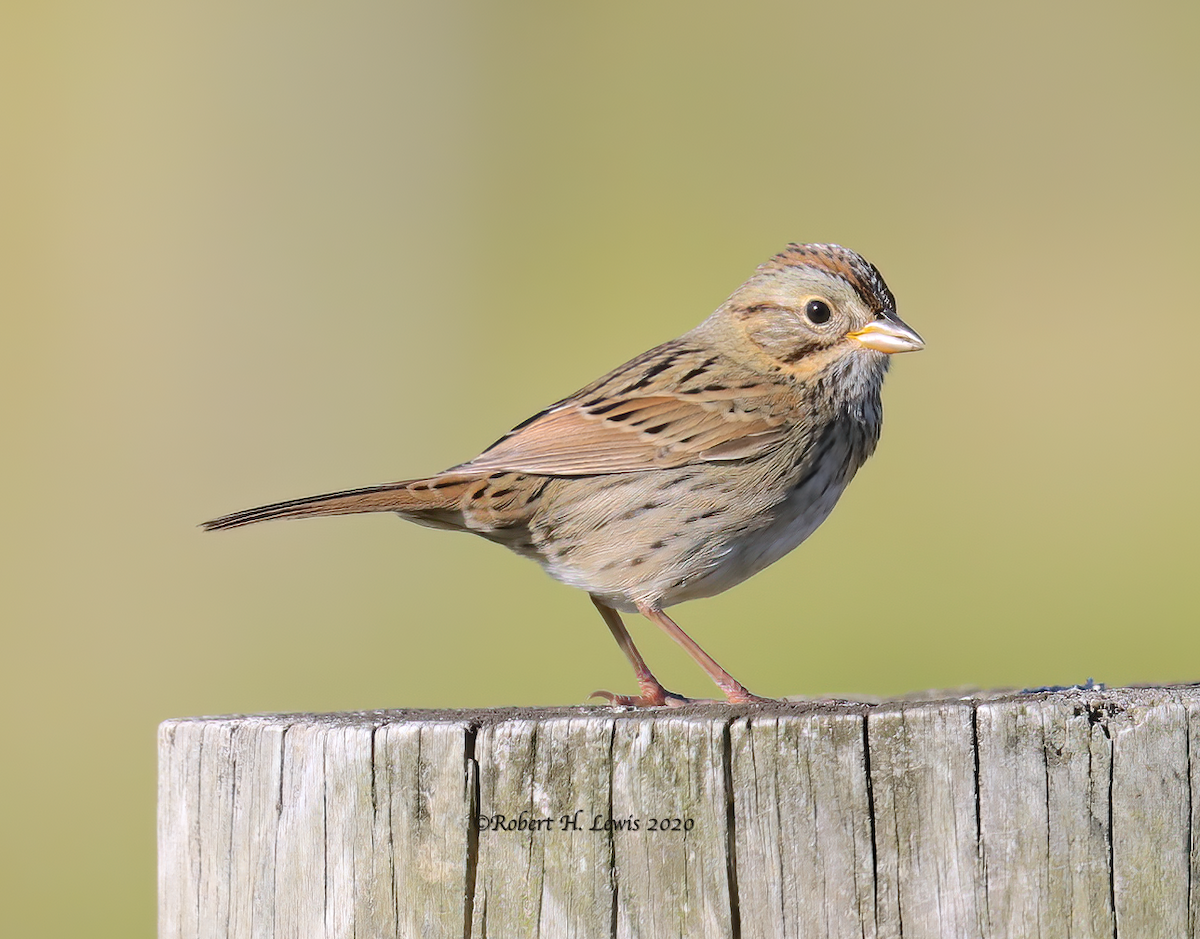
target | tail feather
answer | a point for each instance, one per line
(416, 496)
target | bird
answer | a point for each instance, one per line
(689, 468)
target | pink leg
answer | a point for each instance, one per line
(653, 693)
(735, 691)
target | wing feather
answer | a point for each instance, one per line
(630, 435)
(679, 403)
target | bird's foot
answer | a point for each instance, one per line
(739, 695)
(656, 696)
(653, 695)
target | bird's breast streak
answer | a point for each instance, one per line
(793, 519)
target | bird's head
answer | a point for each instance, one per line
(815, 306)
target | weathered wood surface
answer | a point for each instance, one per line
(1067, 814)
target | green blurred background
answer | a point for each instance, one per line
(256, 250)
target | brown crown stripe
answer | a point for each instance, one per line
(855, 270)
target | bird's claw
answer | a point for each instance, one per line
(740, 695)
(649, 698)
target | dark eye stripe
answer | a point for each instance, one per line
(798, 352)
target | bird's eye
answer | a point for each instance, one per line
(817, 311)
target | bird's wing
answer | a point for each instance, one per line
(593, 433)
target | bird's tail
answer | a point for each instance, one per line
(415, 497)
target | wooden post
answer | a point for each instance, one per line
(1064, 814)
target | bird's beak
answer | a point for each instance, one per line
(888, 334)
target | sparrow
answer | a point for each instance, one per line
(689, 468)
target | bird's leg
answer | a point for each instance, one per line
(735, 691)
(653, 693)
